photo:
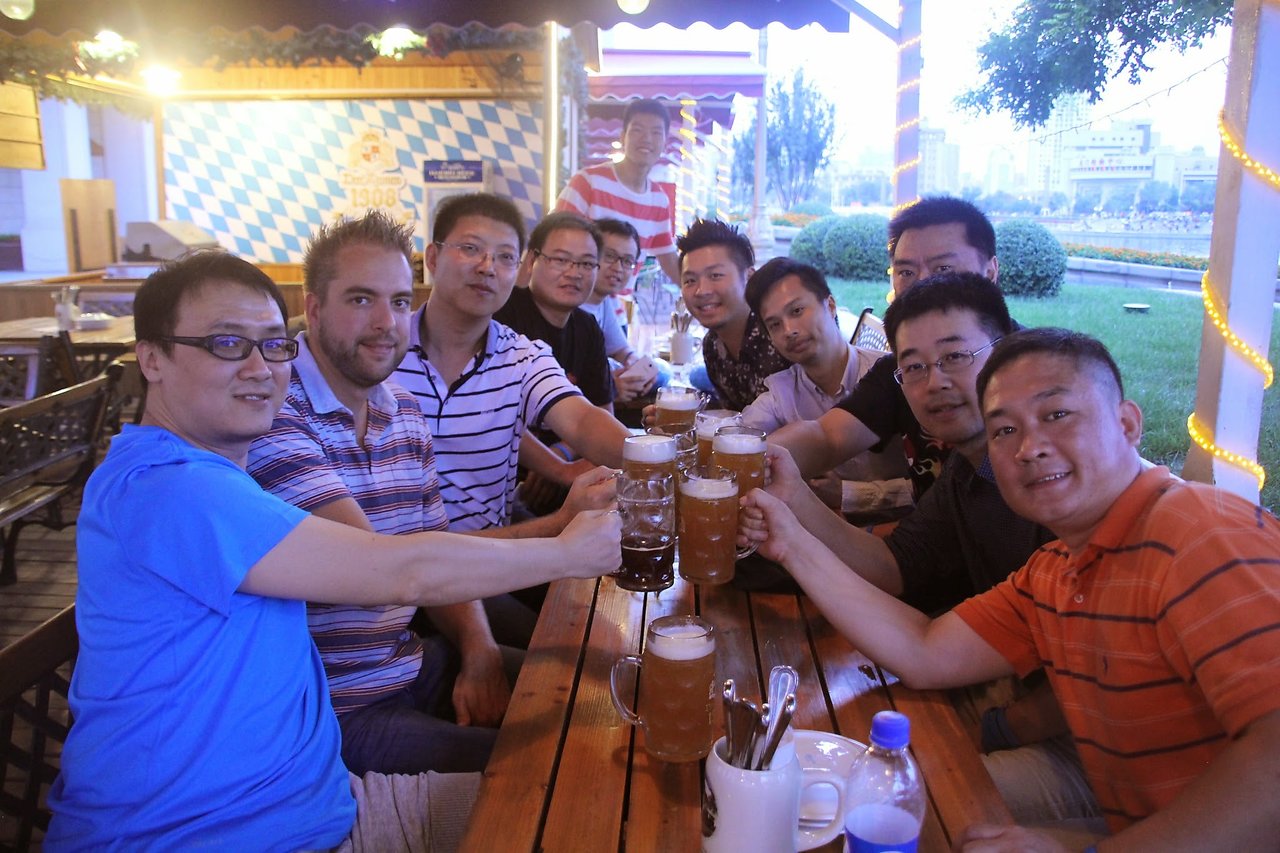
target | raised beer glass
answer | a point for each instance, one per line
(678, 406)
(706, 424)
(708, 516)
(647, 507)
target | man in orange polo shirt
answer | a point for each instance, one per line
(1154, 614)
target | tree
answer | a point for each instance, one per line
(1156, 196)
(1054, 47)
(1087, 201)
(1197, 196)
(802, 126)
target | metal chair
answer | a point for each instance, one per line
(869, 333)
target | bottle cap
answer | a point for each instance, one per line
(890, 730)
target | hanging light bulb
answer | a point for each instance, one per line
(631, 7)
(19, 10)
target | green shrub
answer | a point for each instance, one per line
(806, 246)
(812, 208)
(792, 219)
(856, 247)
(1032, 261)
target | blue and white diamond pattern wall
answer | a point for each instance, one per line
(261, 176)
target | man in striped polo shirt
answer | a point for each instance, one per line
(623, 190)
(351, 447)
(1154, 613)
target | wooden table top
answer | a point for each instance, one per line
(568, 774)
(119, 330)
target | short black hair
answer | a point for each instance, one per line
(774, 271)
(949, 291)
(563, 220)
(646, 106)
(488, 205)
(714, 232)
(620, 228)
(155, 305)
(943, 210)
(376, 228)
(1084, 351)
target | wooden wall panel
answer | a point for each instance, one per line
(21, 143)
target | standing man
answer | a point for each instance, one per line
(935, 235)
(202, 716)
(481, 384)
(1154, 612)
(798, 311)
(715, 261)
(623, 190)
(351, 447)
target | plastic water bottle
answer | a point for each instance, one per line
(884, 797)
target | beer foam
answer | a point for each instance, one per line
(649, 448)
(736, 443)
(709, 422)
(679, 402)
(681, 642)
(709, 490)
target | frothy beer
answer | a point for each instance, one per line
(741, 450)
(708, 526)
(649, 455)
(677, 689)
(677, 407)
(707, 423)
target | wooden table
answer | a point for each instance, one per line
(118, 331)
(568, 774)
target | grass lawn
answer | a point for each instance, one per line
(1158, 354)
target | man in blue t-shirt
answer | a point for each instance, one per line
(201, 710)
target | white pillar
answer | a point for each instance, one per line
(761, 227)
(129, 159)
(1242, 253)
(65, 127)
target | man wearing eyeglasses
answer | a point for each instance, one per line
(482, 384)
(618, 263)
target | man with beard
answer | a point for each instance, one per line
(351, 447)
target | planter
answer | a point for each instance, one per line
(1122, 274)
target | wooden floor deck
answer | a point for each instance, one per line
(46, 581)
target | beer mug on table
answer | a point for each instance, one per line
(678, 406)
(741, 450)
(708, 525)
(650, 454)
(705, 425)
(647, 505)
(677, 688)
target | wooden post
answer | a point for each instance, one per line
(1243, 251)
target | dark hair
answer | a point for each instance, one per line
(376, 228)
(619, 228)
(563, 220)
(713, 232)
(155, 305)
(943, 210)
(774, 271)
(488, 205)
(1083, 350)
(646, 106)
(949, 291)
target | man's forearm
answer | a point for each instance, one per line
(465, 625)
(861, 551)
(598, 436)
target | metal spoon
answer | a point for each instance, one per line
(783, 681)
(778, 727)
(745, 726)
(730, 694)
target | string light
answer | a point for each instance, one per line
(905, 126)
(1202, 439)
(1237, 151)
(913, 83)
(1257, 359)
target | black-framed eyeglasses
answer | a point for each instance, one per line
(610, 258)
(561, 264)
(918, 371)
(504, 258)
(238, 347)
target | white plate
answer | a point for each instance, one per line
(93, 321)
(823, 749)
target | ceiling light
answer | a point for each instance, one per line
(633, 7)
(19, 10)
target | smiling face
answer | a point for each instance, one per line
(359, 327)
(713, 287)
(559, 291)
(644, 140)
(218, 405)
(946, 404)
(1062, 443)
(800, 325)
(472, 288)
(922, 252)
(615, 274)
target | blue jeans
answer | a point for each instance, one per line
(413, 731)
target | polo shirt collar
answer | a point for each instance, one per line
(1113, 531)
(322, 398)
(419, 321)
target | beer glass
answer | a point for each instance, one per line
(647, 507)
(741, 450)
(708, 515)
(706, 423)
(686, 444)
(677, 688)
(649, 455)
(678, 406)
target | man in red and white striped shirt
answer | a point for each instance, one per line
(623, 190)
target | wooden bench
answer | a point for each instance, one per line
(35, 675)
(48, 446)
